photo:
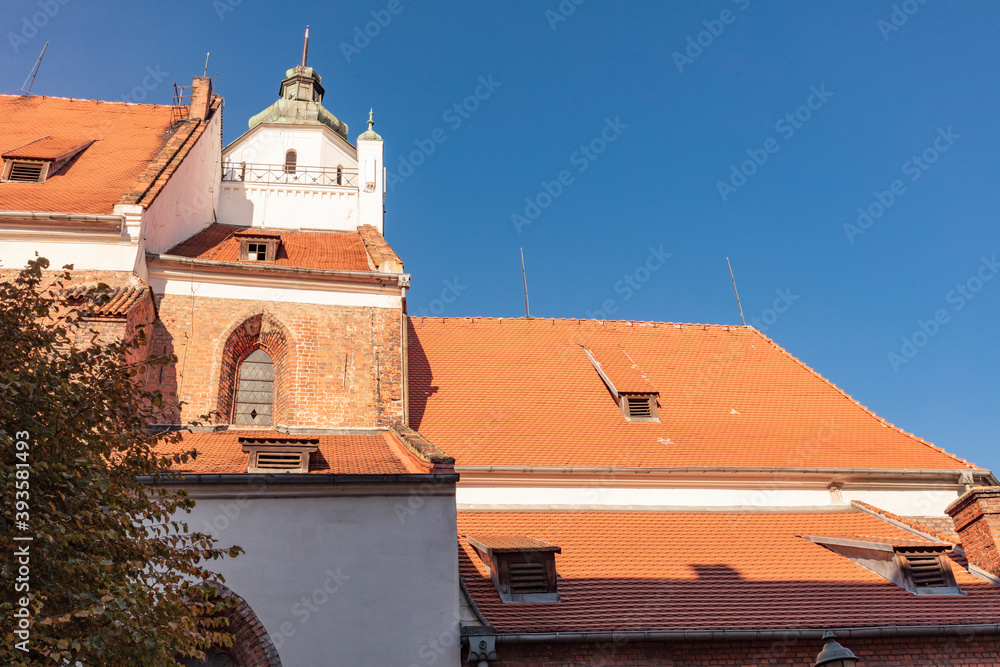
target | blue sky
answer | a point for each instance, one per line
(700, 129)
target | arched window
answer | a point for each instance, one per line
(214, 657)
(255, 390)
(340, 175)
(290, 159)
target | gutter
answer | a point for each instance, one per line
(393, 279)
(857, 472)
(741, 635)
(55, 218)
(247, 479)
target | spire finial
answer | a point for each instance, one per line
(371, 118)
(305, 47)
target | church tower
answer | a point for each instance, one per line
(296, 168)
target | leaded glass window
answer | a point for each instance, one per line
(255, 390)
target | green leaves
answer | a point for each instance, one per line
(115, 576)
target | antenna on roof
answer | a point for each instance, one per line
(524, 279)
(34, 71)
(207, 54)
(305, 47)
(735, 292)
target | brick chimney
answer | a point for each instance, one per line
(977, 519)
(201, 98)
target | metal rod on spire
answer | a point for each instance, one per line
(34, 71)
(735, 292)
(305, 47)
(524, 279)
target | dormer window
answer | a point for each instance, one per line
(271, 455)
(632, 390)
(258, 247)
(291, 159)
(523, 569)
(919, 566)
(40, 159)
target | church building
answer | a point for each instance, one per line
(420, 491)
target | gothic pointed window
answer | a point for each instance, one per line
(255, 390)
(290, 160)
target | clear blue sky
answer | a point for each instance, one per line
(880, 96)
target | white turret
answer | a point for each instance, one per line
(371, 200)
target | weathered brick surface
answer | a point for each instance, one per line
(337, 366)
(967, 651)
(977, 521)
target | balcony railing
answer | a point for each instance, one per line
(278, 174)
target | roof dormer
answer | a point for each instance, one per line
(38, 160)
(271, 455)
(634, 392)
(522, 568)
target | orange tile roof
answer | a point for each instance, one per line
(522, 392)
(221, 453)
(668, 571)
(343, 251)
(127, 138)
(47, 148)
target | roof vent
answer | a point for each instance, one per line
(21, 171)
(522, 568)
(920, 566)
(268, 455)
(640, 407)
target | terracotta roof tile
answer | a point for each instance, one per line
(343, 251)
(127, 138)
(221, 452)
(47, 148)
(522, 392)
(663, 570)
(511, 542)
(941, 528)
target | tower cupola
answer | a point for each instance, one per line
(300, 99)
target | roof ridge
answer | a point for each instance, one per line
(84, 99)
(724, 327)
(867, 410)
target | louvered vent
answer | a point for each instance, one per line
(527, 578)
(26, 172)
(274, 461)
(927, 571)
(639, 407)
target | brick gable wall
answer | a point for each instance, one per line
(337, 366)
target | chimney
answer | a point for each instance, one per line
(201, 98)
(977, 520)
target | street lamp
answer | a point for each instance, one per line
(835, 655)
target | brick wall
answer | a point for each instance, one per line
(336, 366)
(968, 651)
(977, 521)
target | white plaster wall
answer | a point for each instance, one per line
(344, 580)
(280, 206)
(188, 202)
(907, 502)
(113, 256)
(291, 292)
(315, 146)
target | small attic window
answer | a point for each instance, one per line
(522, 568)
(24, 171)
(272, 455)
(639, 407)
(258, 249)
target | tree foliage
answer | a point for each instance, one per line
(115, 576)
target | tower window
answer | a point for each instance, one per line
(255, 390)
(340, 175)
(290, 160)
